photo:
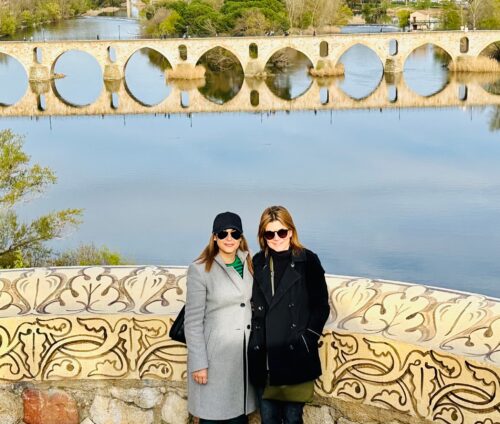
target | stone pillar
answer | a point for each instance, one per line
(39, 73)
(393, 78)
(39, 87)
(112, 72)
(393, 65)
(255, 68)
(112, 86)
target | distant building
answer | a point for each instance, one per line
(424, 20)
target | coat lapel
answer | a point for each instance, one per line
(231, 272)
(263, 279)
(290, 277)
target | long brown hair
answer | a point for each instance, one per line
(207, 256)
(281, 214)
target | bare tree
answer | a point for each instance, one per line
(295, 10)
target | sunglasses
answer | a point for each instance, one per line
(235, 234)
(269, 235)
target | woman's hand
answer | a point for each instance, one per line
(200, 376)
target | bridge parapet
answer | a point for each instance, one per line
(391, 351)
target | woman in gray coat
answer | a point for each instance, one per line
(217, 326)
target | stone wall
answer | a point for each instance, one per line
(90, 345)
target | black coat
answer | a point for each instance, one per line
(286, 327)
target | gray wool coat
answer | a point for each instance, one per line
(217, 328)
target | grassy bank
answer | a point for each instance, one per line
(19, 14)
(481, 64)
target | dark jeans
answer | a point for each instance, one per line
(279, 412)
(242, 419)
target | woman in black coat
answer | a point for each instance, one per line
(289, 309)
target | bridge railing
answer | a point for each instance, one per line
(390, 349)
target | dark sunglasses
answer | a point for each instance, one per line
(269, 235)
(235, 234)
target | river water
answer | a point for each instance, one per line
(401, 194)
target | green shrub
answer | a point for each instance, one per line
(86, 255)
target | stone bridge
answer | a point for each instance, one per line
(90, 345)
(39, 60)
(253, 53)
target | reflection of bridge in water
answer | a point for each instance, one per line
(255, 96)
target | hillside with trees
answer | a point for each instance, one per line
(18, 14)
(241, 17)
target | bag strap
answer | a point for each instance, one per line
(271, 267)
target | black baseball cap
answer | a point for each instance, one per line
(227, 221)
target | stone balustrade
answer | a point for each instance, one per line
(90, 345)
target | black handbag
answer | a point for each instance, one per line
(177, 330)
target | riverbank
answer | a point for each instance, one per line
(102, 10)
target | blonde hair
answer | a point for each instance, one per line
(281, 214)
(207, 256)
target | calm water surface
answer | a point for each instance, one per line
(401, 194)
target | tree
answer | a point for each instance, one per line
(375, 13)
(295, 11)
(203, 19)
(171, 24)
(403, 18)
(483, 14)
(451, 16)
(252, 22)
(317, 13)
(86, 255)
(424, 4)
(8, 24)
(23, 244)
(273, 10)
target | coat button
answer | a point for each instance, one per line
(293, 326)
(248, 327)
(260, 308)
(256, 347)
(257, 327)
(291, 347)
(242, 305)
(291, 305)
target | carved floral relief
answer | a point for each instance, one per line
(422, 351)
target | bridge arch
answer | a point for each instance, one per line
(283, 47)
(419, 45)
(83, 73)
(349, 46)
(485, 45)
(224, 81)
(279, 82)
(11, 67)
(234, 52)
(144, 47)
(156, 88)
(371, 77)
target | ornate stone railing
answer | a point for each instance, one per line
(389, 350)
